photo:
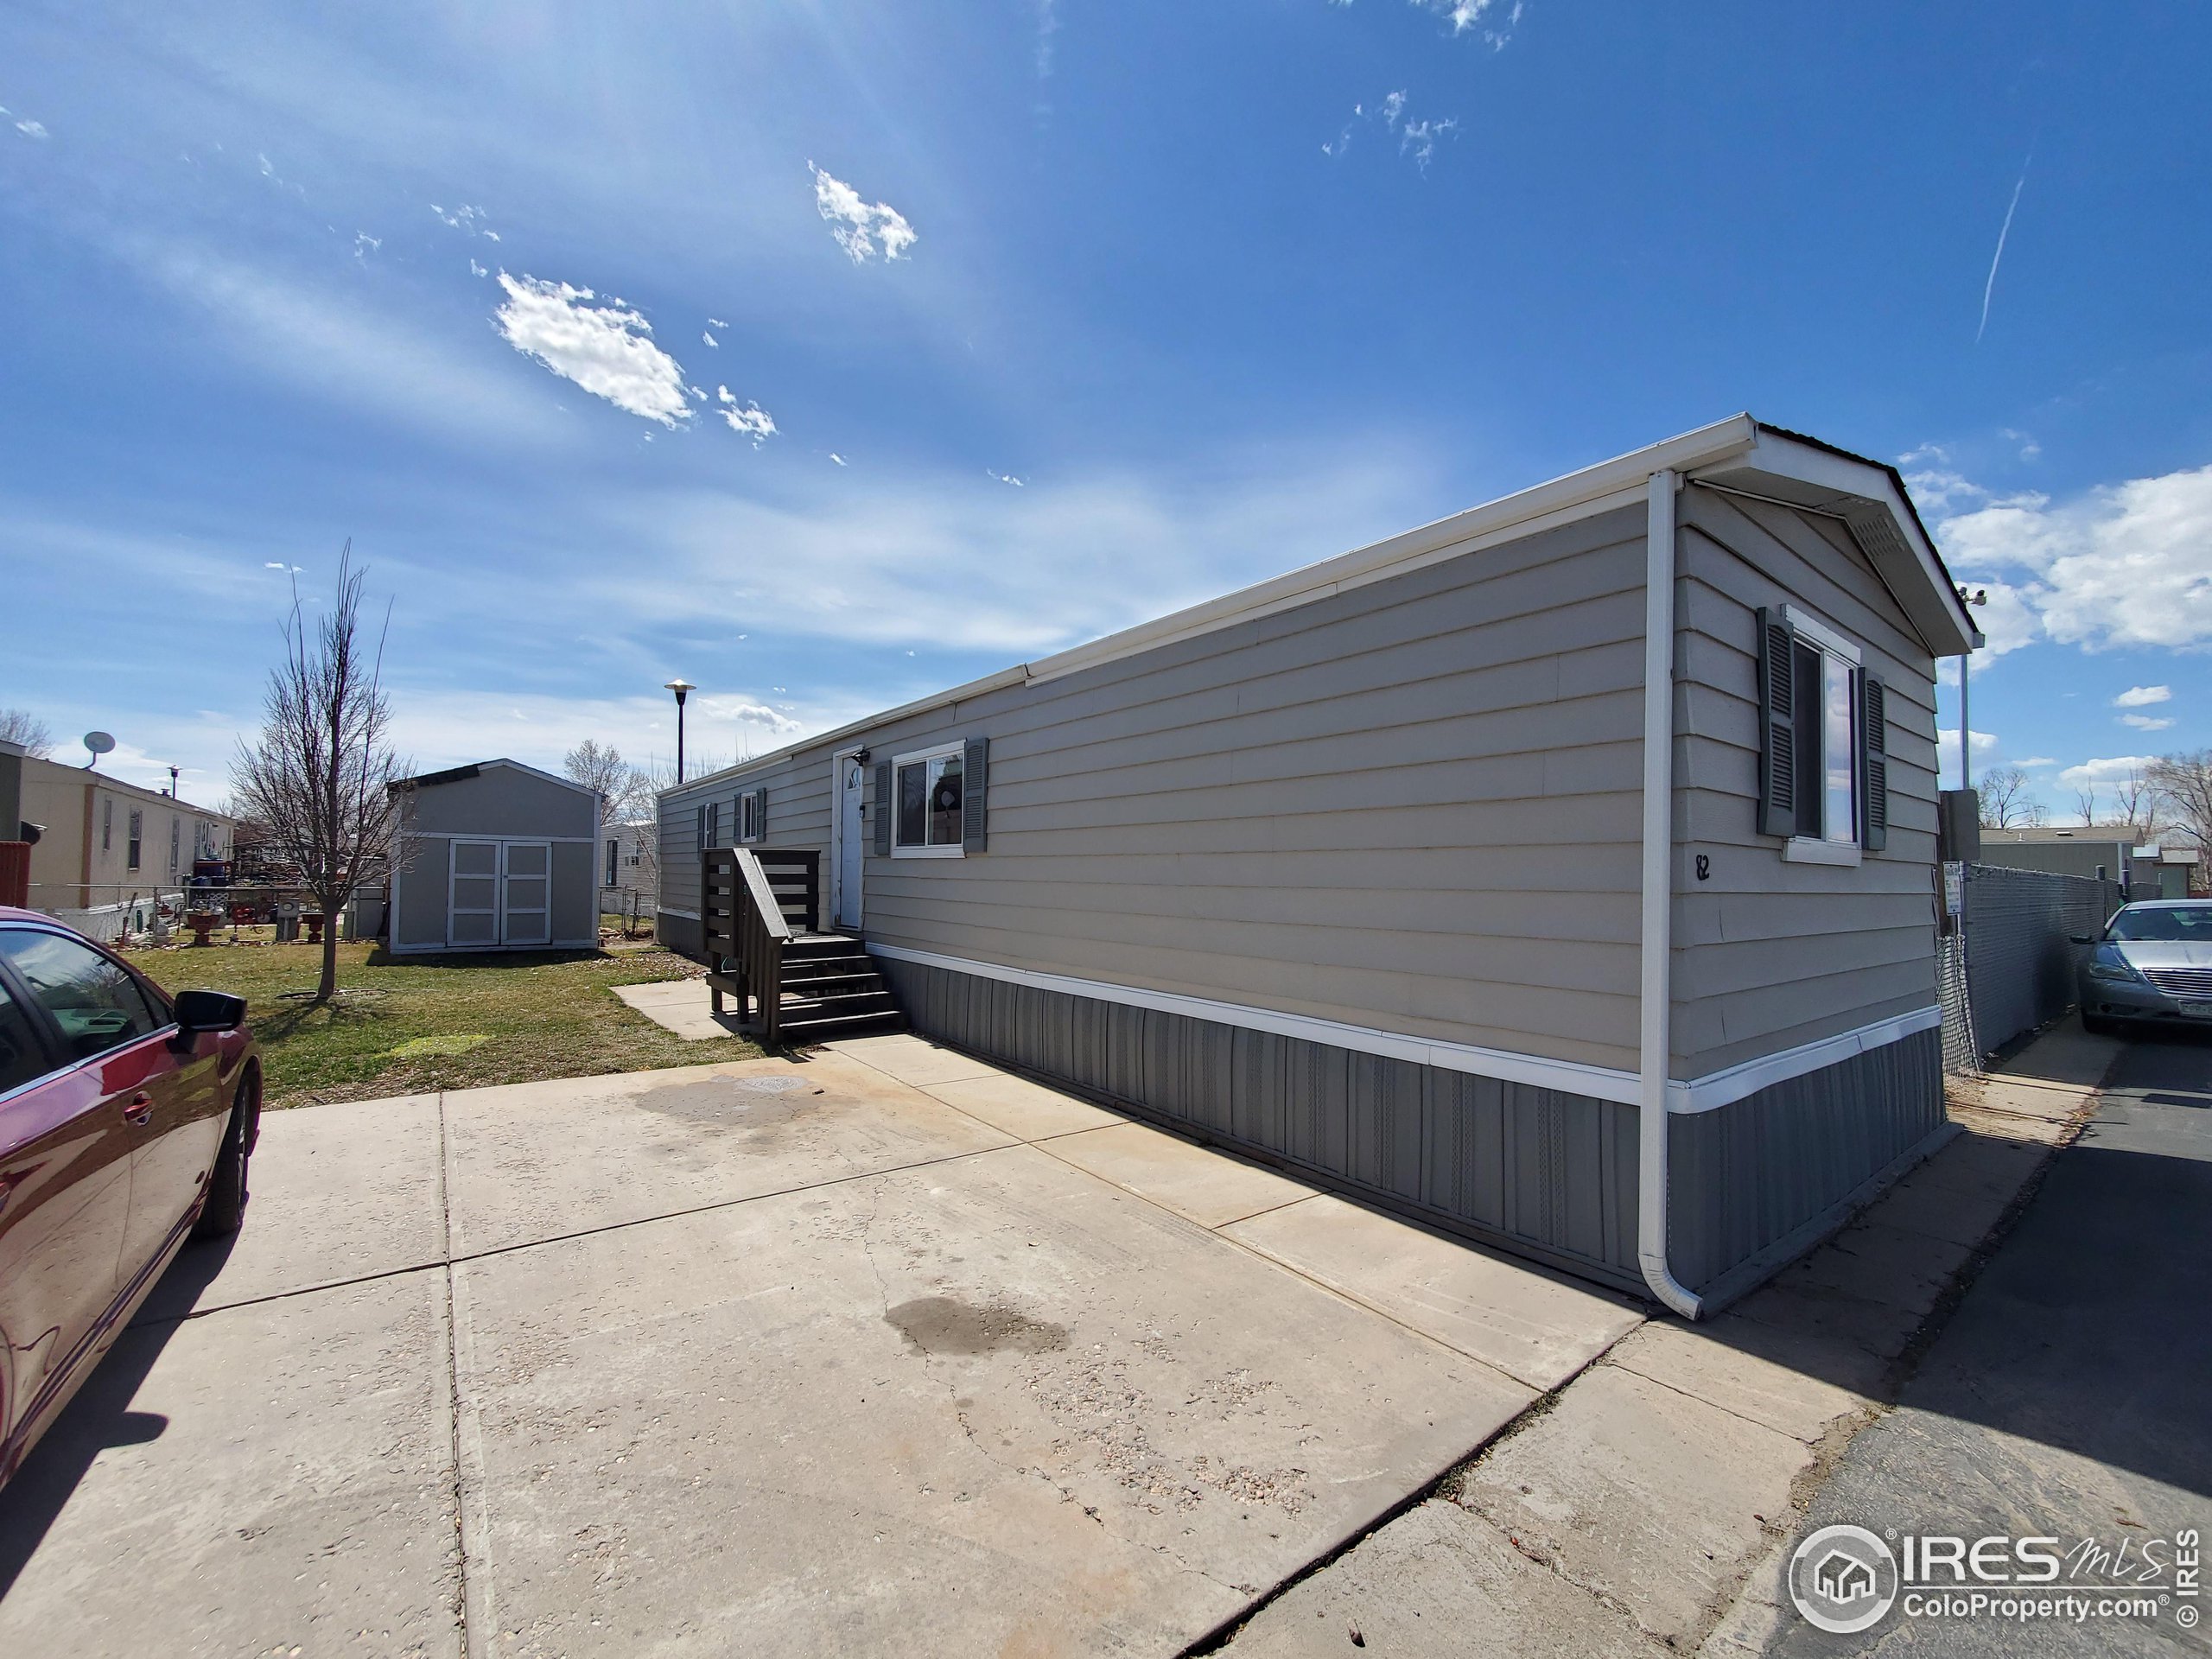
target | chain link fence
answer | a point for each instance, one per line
(2009, 969)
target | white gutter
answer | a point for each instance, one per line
(1657, 938)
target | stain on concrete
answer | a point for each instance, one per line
(944, 1324)
(758, 1106)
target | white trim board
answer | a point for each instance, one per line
(1704, 1094)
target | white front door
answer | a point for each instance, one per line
(851, 785)
(526, 901)
(473, 895)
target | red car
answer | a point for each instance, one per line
(126, 1119)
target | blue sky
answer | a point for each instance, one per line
(1033, 319)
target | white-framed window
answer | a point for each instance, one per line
(176, 842)
(748, 816)
(107, 822)
(1826, 783)
(614, 862)
(927, 803)
(137, 837)
(710, 825)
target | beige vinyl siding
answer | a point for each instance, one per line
(1768, 954)
(1412, 805)
(798, 815)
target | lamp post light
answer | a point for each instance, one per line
(683, 687)
(171, 782)
(1979, 596)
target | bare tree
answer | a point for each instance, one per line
(2085, 803)
(2136, 798)
(620, 783)
(21, 726)
(2006, 802)
(2183, 785)
(321, 776)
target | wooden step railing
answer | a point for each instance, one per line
(752, 904)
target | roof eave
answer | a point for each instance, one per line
(1871, 498)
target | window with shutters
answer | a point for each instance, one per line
(751, 815)
(1824, 782)
(927, 801)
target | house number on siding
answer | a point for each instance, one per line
(1704, 867)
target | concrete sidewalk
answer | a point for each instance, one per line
(1628, 1512)
(881, 1350)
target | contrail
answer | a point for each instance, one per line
(1989, 287)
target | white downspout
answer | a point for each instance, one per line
(1656, 992)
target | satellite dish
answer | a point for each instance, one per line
(100, 743)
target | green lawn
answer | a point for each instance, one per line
(454, 1022)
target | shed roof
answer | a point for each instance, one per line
(475, 768)
(1740, 454)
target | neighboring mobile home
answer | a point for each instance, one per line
(1561, 873)
(493, 856)
(102, 841)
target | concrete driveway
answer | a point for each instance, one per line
(881, 1351)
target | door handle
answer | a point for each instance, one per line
(140, 1111)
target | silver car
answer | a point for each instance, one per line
(2152, 962)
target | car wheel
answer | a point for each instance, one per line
(225, 1206)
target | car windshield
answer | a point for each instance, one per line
(2169, 924)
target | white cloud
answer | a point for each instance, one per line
(2121, 566)
(748, 418)
(603, 348)
(861, 230)
(1006, 478)
(2142, 696)
(1415, 138)
(2035, 760)
(710, 339)
(467, 220)
(716, 322)
(839, 459)
(1466, 15)
(1947, 750)
(744, 711)
(2030, 449)
(366, 244)
(33, 128)
(2109, 769)
(2144, 722)
(476, 269)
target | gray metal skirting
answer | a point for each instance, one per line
(1538, 1171)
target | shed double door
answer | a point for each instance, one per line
(501, 893)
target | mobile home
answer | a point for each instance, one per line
(1560, 873)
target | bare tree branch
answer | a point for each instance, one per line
(21, 726)
(321, 776)
(620, 786)
(2006, 802)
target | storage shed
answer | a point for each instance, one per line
(493, 856)
(1561, 873)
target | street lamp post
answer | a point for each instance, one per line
(171, 782)
(683, 687)
(1979, 596)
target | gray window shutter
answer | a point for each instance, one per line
(1873, 764)
(760, 813)
(1778, 725)
(975, 786)
(881, 807)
